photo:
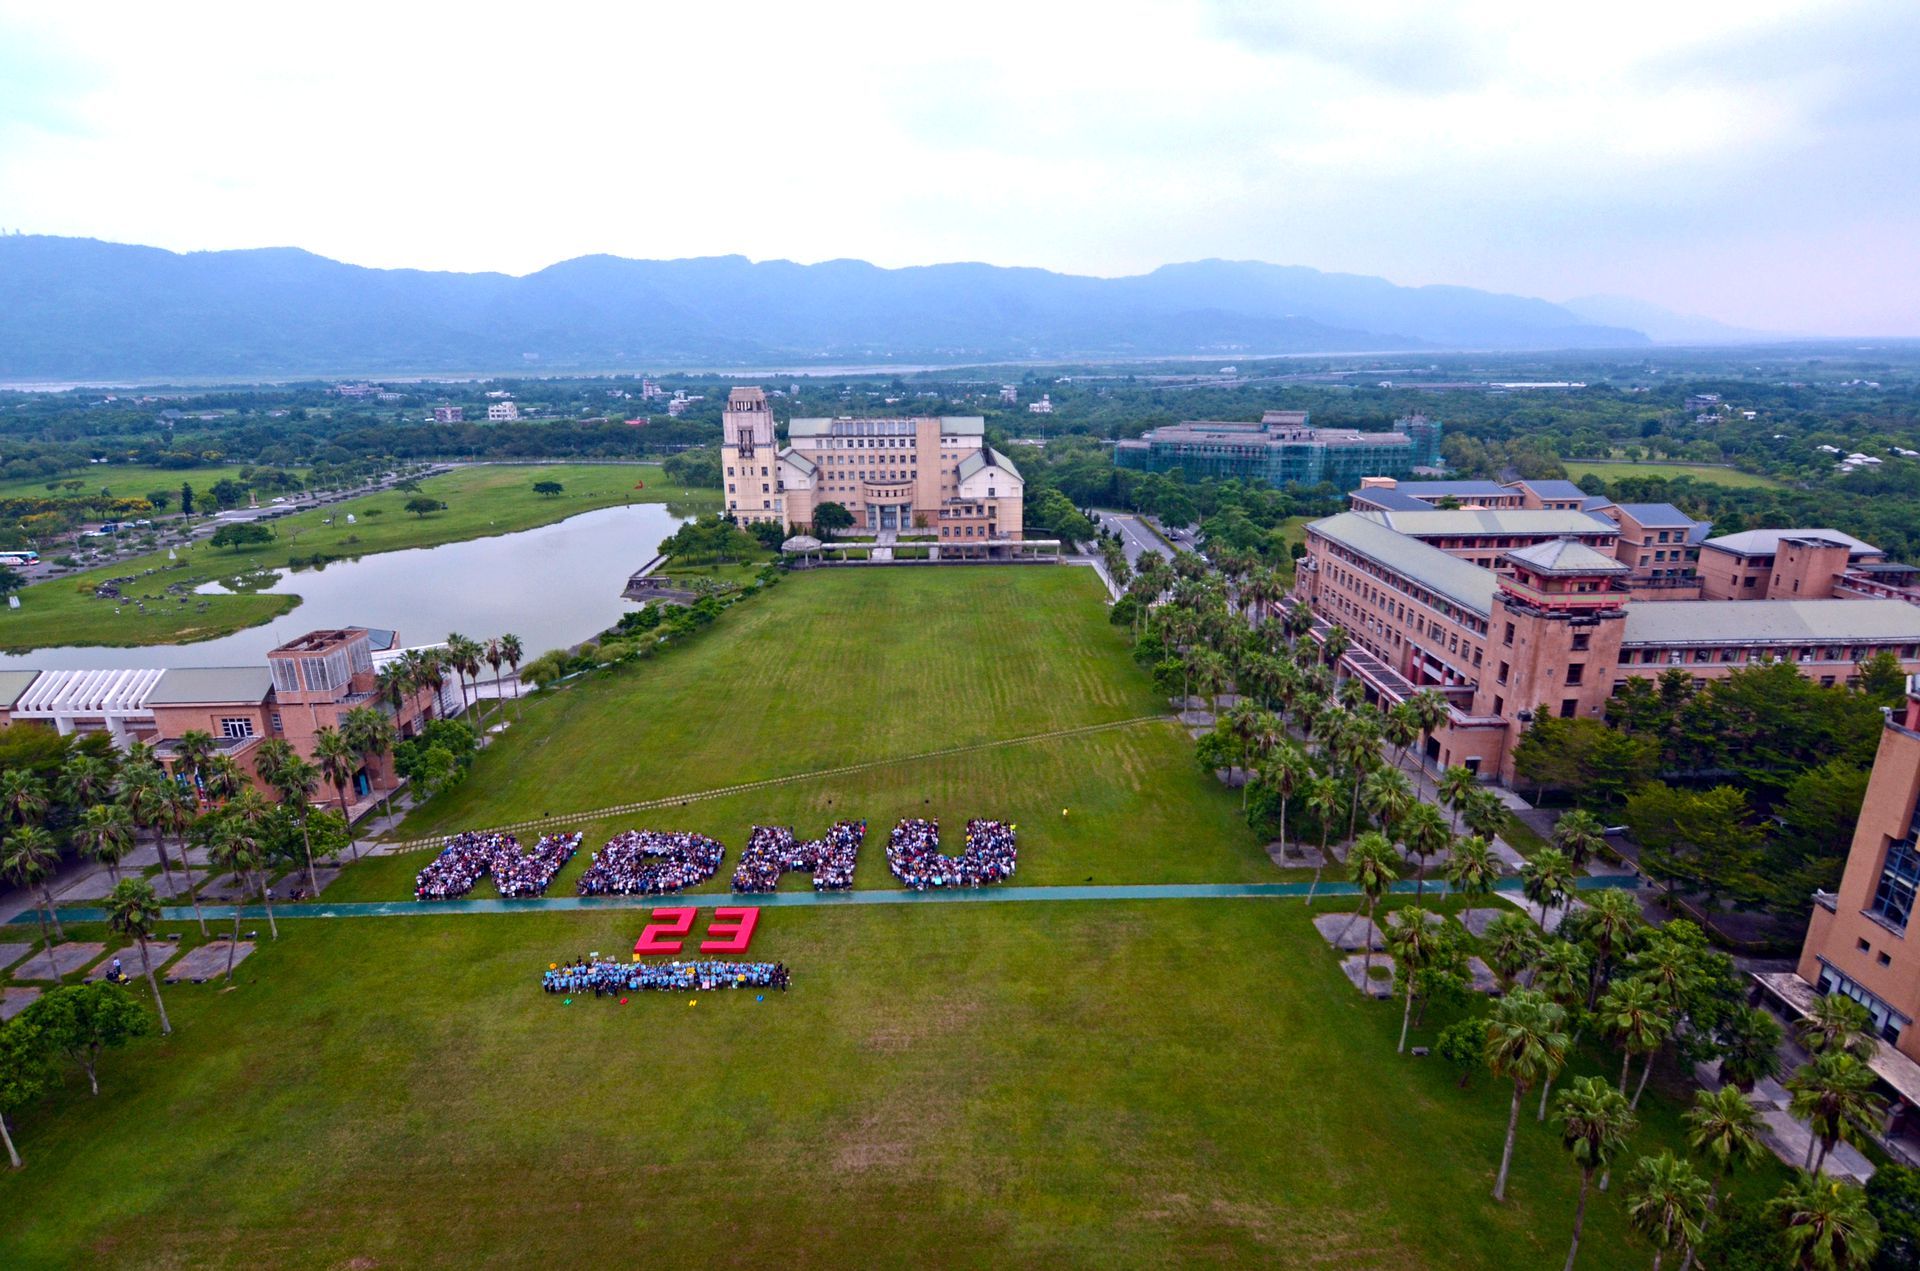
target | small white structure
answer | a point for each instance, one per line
(503, 412)
(1042, 407)
(109, 699)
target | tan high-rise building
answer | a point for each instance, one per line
(934, 474)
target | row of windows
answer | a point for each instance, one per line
(1806, 653)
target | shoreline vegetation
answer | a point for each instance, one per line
(482, 501)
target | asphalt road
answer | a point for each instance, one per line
(1135, 537)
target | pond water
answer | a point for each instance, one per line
(552, 586)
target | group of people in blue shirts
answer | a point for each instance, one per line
(601, 978)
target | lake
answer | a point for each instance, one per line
(552, 586)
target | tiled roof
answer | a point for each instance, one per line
(13, 684)
(1494, 521)
(193, 685)
(1462, 582)
(1659, 515)
(1567, 556)
(1767, 542)
(1554, 489)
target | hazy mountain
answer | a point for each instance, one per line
(1661, 324)
(83, 309)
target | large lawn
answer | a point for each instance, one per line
(1706, 474)
(1063, 1082)
(126, 480)
(481, 500)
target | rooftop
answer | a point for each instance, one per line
(1462, 582)
(981, 458)
(950, 425)
(1429, 490)
(1656, 515)
(200, 685)
(1273, 432)
(13, 684)
(1767, 542)
(1736, 622)
(318, 641)
(1436, 523)
(1567, 556)
(1554, 489)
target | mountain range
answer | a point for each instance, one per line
(81, 309)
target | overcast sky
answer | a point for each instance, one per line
(1757, 161)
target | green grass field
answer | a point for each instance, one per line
(126, 480)
(481, 500)
(1707, 474)
(947, 1084)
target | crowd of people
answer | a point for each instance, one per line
(772, 850)
(471, 855)
(913, 854)
(650, 863)
(603, 978)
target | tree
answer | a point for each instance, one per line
(1372, 867)
(233, 850)
(105, 834)
(11, 580)
(142, 788)
(1324, 798)
(1525, 1042)
(295, 780)
(548, 489)
(241, 536)
(1459, 1045)
(1456, 784)
(1388, 797)
(513, 651)
(338, 762)
(29, 859)
(1632, 1011)
(1594, 1124)
(421, 506)
(1893, 1198)
(172, 814)
(186, 499)
(1484, 814)
(1725, 1125)
(1824, 1225)
(1285, 772)
(1414, 944)
(133, 912)
(1510, 944)
(1834, 1096)
(1668, 1204)
(85, 1019)
(1424, 830)
(1472, 870)
(829, 519)
(1749, 1043)
(23, 1074)
(1547, 880)
(1430, 712)
(1560, 972)
(1579, 834)
(1836, 1024)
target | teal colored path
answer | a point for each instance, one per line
(782, 899)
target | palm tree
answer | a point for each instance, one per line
(295, 782)
(1472, 871)
(370, 732)
(29, 859)
(1724, 1124)
(432, 674)
(1560, 971)
(1510, 945)
(1525, 1043)
(494, 655)
(142, 787)
(105, 834)
(1298, 621)
(133, 911)
(1547, 880)
(1610, 928)
(1285, 772)
(249, 814)
(1430, 711)
(192, 752)
(1484, 814)
(1456, 784)
(1388, 796)
(461, 656)
(1825, 1226)
(1834, 1096)
(1323, 800)
(513, 651)
(1836, 1023)
(1358, 747)
(1424, 830)
(338, 762)
(1351, 694)
(1632, 1010)
(234, 851)
(1414, 945)
(1594, 1124)
(1400, 730)
(1579, 834)
(1749, 1045)
(23, 796)
(173, 813)
(394, 683)
(1335, 643)
(223, 777)
(85, 780)
(1372, 866)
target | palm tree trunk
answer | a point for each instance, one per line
(1813, 1142)
(1626, 1061)
(1644, 1074)
(352, 842)
(1406, 1016)
(160, 850)
(1579, 1218)
(266, 898)
(1657, 1255)
(1506, 1153)
(46, 935)
(46, 896)
(1820, 1162)
(193, 889)
(1546, 1087)
(233, 945)
(1353, 806)
(306, 842)
(1368, 942)
(146, 964)
(13, 1154)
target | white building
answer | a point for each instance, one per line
(503, 412)
(1009, 394)
(1042, 407)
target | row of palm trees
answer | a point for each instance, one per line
(461, 658)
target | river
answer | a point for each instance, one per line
(553, 586)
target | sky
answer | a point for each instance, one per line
(1756, 161)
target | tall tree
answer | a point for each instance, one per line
(1824, 1225)
(1547, 880)
(1372, 866)
(233, 850)
(1324, 798)
(1455, 786)
(1526, 1042)
(1424, 830)
(23, 1074)
(338, 762)
(1472, 870)
(132, 913)
(1414, 944)
(1725, 1125)
(1668, 1204)
(1594, 1124)
(1579, 834)
(105, 834)
(1834, 1095)
(28, 857)
(1631, 1010)
(514, 652)
(85, 1019)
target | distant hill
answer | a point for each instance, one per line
(1664, 325)
(74, 309)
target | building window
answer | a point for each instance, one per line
(1862, 945)
(1581, 640)
(1501, 677)
(1888, 1022)
(236, 727)
(1508, 639)
(1569, 708)
(1893, 895)
(1885, 960)
(1576, 671)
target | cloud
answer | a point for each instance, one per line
(1671, 151)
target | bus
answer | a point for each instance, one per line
(19, 558)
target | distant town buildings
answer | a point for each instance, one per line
(1284, 449)
(650, 389)
(449, 414)
(503, 412)
(1009, 394)
(1042, 407)
(928, 473)
(355, 390)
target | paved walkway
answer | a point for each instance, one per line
(786, 899)
(721, 792)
